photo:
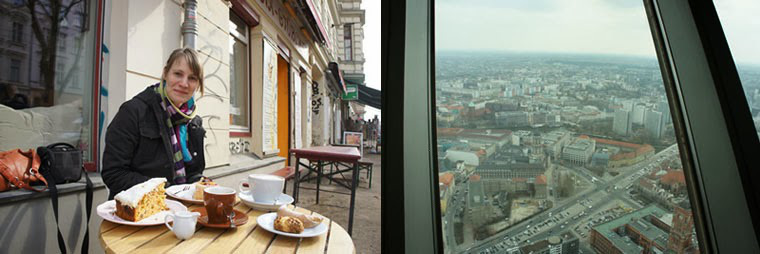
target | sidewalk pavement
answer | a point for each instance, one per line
(367, 225)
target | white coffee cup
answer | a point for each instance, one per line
(263, 188)
(184, 223)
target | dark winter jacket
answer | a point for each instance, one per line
(138, 146)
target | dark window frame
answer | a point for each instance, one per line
(719, 225)
(17, 32)
(239, 132)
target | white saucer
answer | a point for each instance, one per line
(247, 199)
(107, 211)
(266, 221)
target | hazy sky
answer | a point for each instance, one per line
(740, 20)
(372, 49)
(578, 26)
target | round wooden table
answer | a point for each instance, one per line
(248, 238)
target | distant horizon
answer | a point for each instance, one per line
(565, 53)
(505, 51)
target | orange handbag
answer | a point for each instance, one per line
(19, 169)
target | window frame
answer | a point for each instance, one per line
(238, 130)
(17, 32)
(691, 44)
(15, 70)
(697, 52)
(348, 42)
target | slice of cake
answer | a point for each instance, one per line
(201, 185)
(142, 200)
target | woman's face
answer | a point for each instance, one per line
(181, 82)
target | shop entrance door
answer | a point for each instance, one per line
(283, 108)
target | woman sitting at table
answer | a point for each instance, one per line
(156, 133)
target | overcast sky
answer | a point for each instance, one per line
(372, 49)
(579, 26)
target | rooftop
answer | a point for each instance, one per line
(649, 230)
(580, 144)
(623, 242)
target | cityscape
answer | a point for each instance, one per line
(561, 153)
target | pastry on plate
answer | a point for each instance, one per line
(309, 221)
(142, 200)
(201, 185)
(288, 224)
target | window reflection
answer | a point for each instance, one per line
(44, 76)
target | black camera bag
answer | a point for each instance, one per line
(64, 162)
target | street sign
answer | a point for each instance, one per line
(352, 93)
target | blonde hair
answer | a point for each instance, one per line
(192, 60)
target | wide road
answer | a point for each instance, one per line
(597, 197)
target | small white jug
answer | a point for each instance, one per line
(184, 223)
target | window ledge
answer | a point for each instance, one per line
(239, 163)
(8, 197)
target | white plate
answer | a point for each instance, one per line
(266, 221)
(186, 195)
(107, 211)
(284, 199)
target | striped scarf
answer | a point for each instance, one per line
(177, 120)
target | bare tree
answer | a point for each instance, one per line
(49, 13)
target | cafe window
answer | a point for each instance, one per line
(347, 43)
(240, 103)
(58, 91)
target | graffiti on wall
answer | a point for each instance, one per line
(316, 98)
(212, 94)
(239, 146)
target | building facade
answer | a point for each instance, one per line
(272, 78)
(621, 123)
(579, 152)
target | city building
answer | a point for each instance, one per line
(554, 141)
(565, 243)
(638, 113)
(579, 151)
(512, 119)
(621, 123)
(649, 230)
(637, 232)
(623, 153)
(654, 123)
(508, 170)
(540, 187)
(447, 186)
(680, 237)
